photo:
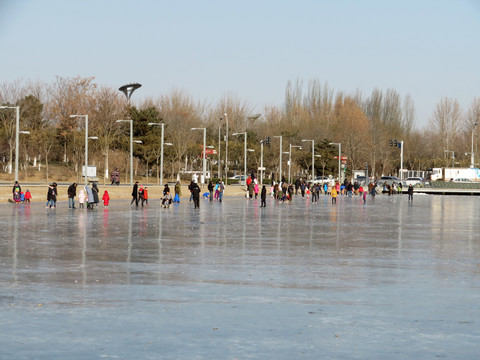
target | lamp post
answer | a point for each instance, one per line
(280, 137)
(161, 147)
(261, 162)
(290, 160)
(204, 167)
(219, 147)
(86, 145)
(313, 157)
(17, 132)
(339, 160)
(472, 163)
(226, 149)
(129, 89)
(131, 148)
(253, 117)
(245, 156)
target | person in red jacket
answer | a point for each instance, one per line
(28, 196)
(145, 196)
(105, 198)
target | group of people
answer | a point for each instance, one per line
(215, 191)
(284, 192)
(19, 196)
(88, 195)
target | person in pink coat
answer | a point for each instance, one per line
(255, 188)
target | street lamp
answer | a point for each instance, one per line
(131, 148)
(17, 132)
(219, 147)
(204, 167)
(472, 164)
(290, 160)
(161, 147)
(129, 89)
(280, 137)
(253, 117)
(226, 149)
(313, 157)
(261, 162)
(339, 159)
(86, 145)
(245, 156)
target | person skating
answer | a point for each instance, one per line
(81, 199)
(17, 190)
(135, 194)
(90, 198)
(221, 189)
(410, 192)
(210, 190)
(72, 192)
(28, 196)
(263, 197)
(105, 198)
(196, 195)
(167, 200)
(50, 196)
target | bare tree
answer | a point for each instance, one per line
(108, 107)
(446, 121)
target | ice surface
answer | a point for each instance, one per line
(391, 279)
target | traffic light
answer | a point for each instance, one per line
(391, 142)
(395, 143)
(366, 165)
(268, 140)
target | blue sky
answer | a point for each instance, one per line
(250, 49)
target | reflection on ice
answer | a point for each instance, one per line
(307, 272)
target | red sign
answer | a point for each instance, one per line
(343, 158)
(210, 152)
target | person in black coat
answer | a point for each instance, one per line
(72, 192)
(210, 190)
(410, 192)
(196, 196)
(135, 194)
(263, 197)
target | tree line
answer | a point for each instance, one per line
(363, 124)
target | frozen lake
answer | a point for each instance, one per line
(386, 280)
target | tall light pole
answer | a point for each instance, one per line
(339, 160)
(472, 163)
(131, 148)
(226, 149)
(280, 137)
(261, 162)
(161, 148)
(17, 132)
(245, 156)
(204, 167)
(401, 160)
(86, 145)
(313, 157)
(290, 160)
(219, 147)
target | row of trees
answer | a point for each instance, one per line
(362, 124)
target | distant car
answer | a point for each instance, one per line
(461, 180)
(414, 181)
(388, 180)
(323, 180)
(361, 180)
(238, 177)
